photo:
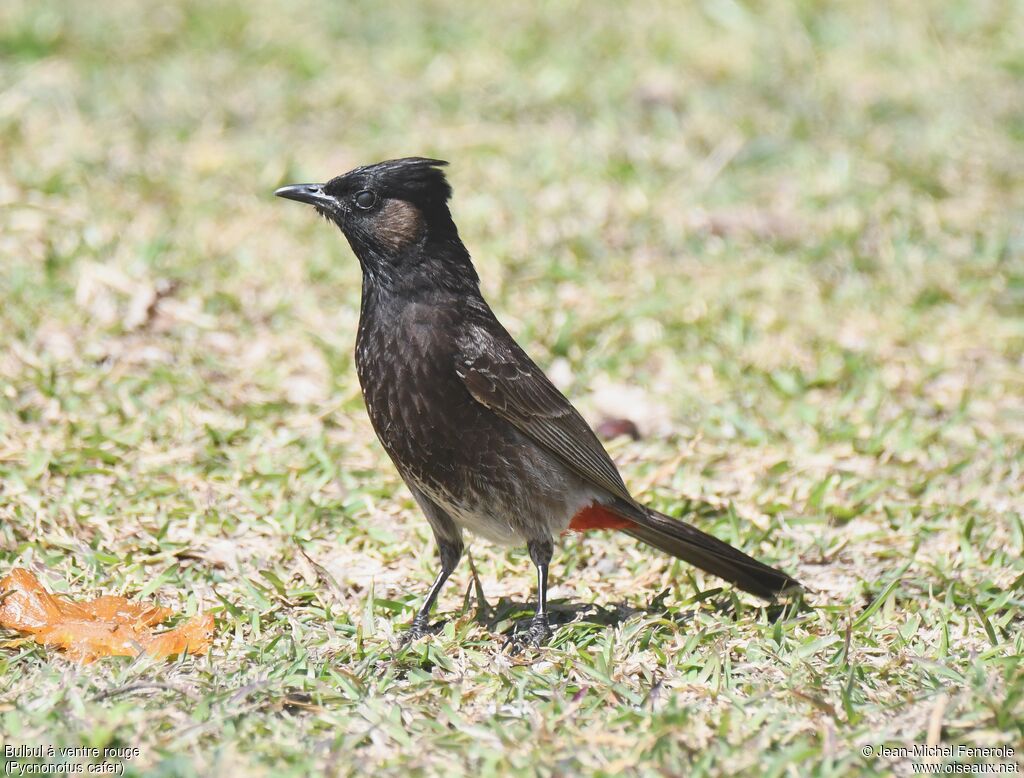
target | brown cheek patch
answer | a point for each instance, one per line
(400, 224)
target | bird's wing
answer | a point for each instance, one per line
(500, 376)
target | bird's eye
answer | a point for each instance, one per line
(365, 199)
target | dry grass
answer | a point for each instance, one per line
(786, 238)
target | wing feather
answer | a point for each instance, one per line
(500, 376)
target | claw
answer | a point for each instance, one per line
(536, 636)
(418, 629)
(539, 632)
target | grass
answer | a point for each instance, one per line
(785, 238)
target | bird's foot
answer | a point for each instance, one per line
(539, 632)
(535, 636)
(419, 628)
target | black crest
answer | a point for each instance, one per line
(416, 179)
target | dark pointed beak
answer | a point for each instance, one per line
(311, 194)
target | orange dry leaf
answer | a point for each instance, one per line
(106, 626)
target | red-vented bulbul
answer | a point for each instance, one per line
(483, 439)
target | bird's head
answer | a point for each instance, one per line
(394, 214)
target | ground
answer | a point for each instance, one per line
(785, 239)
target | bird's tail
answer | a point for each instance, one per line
(702, 550)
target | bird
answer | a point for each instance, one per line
(483, 439)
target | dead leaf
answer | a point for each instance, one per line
(106, 626)
(611, 428)
(615, 400)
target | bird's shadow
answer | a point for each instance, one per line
(511, 617)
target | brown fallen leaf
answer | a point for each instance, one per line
(106, 626)
(609, 429)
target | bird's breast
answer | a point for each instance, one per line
(416, 402)
(482, 470)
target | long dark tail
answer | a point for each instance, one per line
(702, 550)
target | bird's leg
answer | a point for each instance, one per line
(540, 553)
(450, 555)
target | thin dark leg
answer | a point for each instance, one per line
(450, 555)
(540, 553)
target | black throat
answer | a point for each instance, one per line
(438, 265)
